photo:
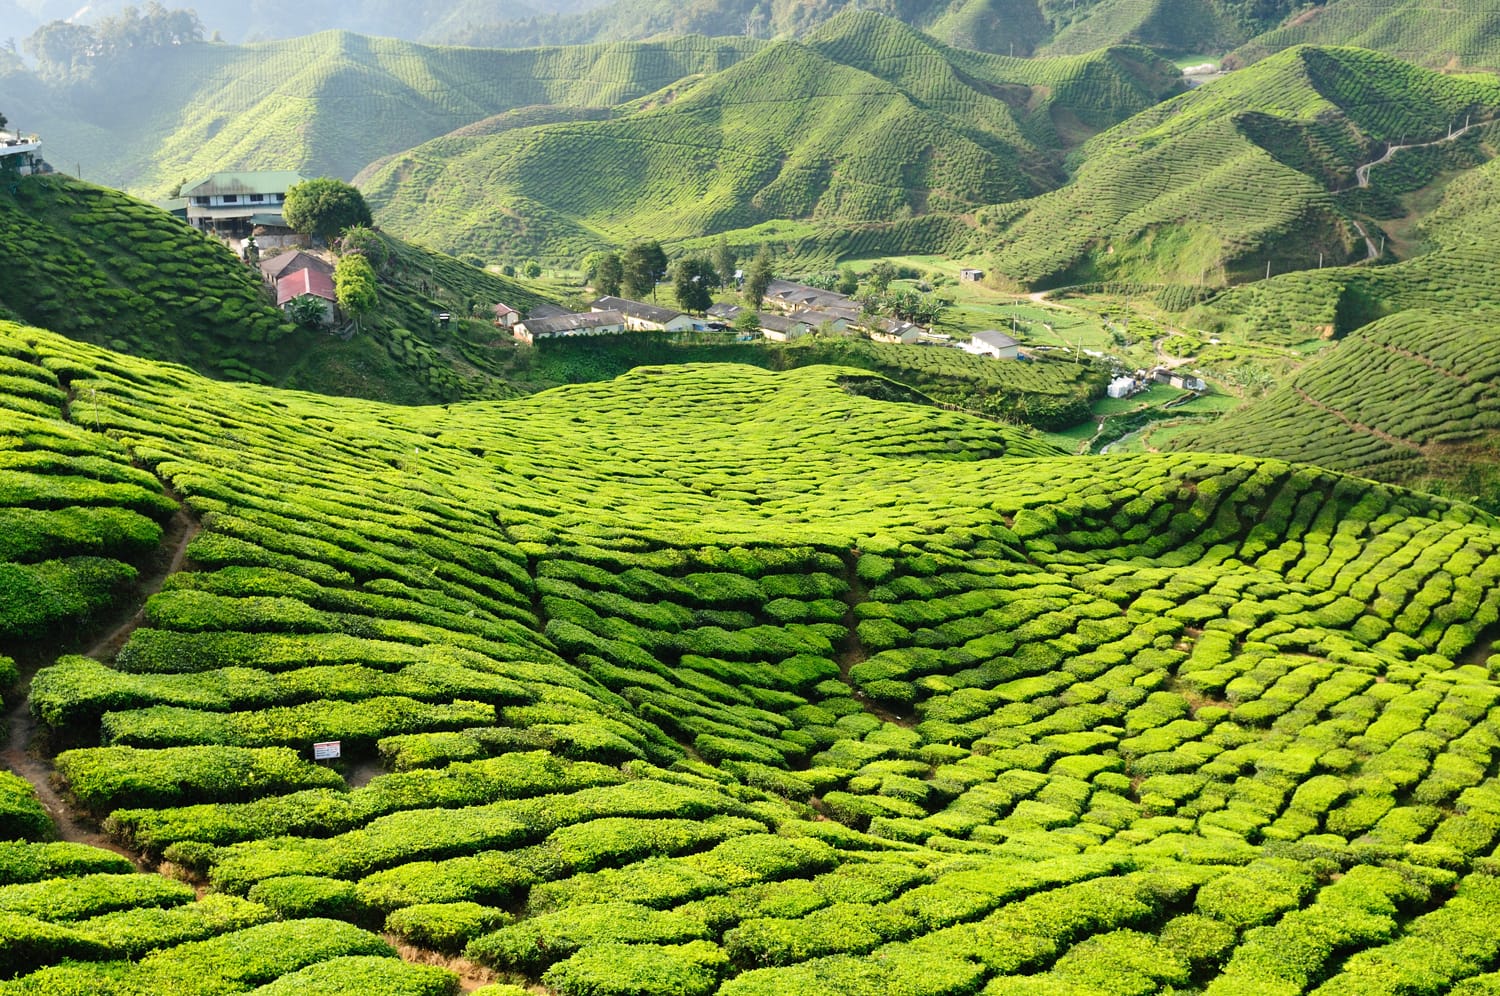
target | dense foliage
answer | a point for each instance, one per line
(719, 679)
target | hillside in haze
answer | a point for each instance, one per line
(325, 104)
(864, 122)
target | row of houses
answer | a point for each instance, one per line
(1125, 386)
(606, 316)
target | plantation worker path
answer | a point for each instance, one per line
(1362, 173)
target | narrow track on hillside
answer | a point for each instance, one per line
(173, 554)
(852, 651)
(24, 757)
(1362, 173)
(1356, 426)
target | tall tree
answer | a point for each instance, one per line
(723, 261)
(880, 276)
(61, 47)
(758, 278)
(692, 278)
(644, 265)
(608, 272)
(848, 281)
(324, 207)
(355, 286)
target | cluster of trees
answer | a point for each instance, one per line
(635, 273)
(324, 207)
(64, 48)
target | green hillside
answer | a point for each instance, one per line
(104, 268)
(1211, 186)
(1413, 398)
(711, 679)
(326, 104)
(1453, 34)
(866, 122)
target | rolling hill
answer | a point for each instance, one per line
(326, 104)
(1209, 187)
(1456, 34)
(1010, 27)
(716, 680)
(865, 122)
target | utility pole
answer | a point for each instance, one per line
(1268, 269)
(1320, 259)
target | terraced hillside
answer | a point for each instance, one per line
(105, 268)
(1408, 398)
(720, 680)
(325, 104)
(865, 124)
(1454, 34)
(1209, 187)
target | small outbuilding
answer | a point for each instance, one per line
(970, 275)
(993, 343)
(506, 316)
(307, 282)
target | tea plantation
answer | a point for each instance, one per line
(718, 679)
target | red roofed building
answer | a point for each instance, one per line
(307, 283)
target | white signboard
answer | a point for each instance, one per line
(326, 751)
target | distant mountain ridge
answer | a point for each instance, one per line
(866, 121)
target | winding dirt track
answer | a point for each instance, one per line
(25, 758)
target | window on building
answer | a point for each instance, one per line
(257, 198)
(230, 199)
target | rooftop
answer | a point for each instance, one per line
(569, 323)
(250, 182)
(636, 309)
(999, 340)
(302, 283)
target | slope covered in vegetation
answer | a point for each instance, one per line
(325, 104)
(1210, 186)
(714, 679)
(105, 268)
(866, 122)
(1455, 34)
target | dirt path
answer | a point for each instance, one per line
(1356, 426)
(1370, 251)
(169, 560)
(19, 758)
(1362, 173)
(24, 757)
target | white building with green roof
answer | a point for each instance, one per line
(234, 204)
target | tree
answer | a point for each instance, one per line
(533, 269)
(692, 277)
(880, 276)
(324, 207)
(758, 278)
(61, 47)
(848, 281)
(3, 123)
(307, 311)
(368, 243)
(747, 322)
(608, 272)
(644, 265)
(355, 286)
(723, 261)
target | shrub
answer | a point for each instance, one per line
(539, 941)
(21, 814)
(639, 970)
(295, 897)
(364, 975)
(445, 927)
(102, 778)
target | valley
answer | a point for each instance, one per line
(915, 498)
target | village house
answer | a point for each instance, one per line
(818, 318)
(894, 330)
(237, 205)
(273, 268)
(780, 328)
(21, 154)
(506, 316)
(725, 312)
(788, 297)
(643, 317)
(1182, 382)
(993, 343)
(534, 329)
(307, 282)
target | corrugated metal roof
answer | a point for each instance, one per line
(248, 182)
(300, 283)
